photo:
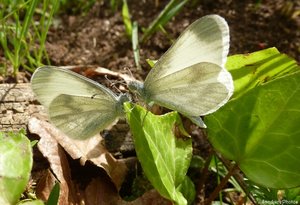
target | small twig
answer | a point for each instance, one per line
(203, 177)
(240, 180)
(221, 185)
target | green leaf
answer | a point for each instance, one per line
(250, 70)
(34, 202)
(54, 195)
(293, 194)
(15, 166)
(187, 188)
(164, 157)
(151, 62)
(260, 131)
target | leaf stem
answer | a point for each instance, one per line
(223, 182)
(237, 176)
(203, 178)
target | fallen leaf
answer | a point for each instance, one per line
(58, 163)
(90, 149)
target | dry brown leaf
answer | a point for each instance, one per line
(151, 197)
(101, 192)
(105, 71)
(45, 185)
(89, 149)
(57, 160)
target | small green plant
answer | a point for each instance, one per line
(165, 158)
(24, 24)
(15, 166)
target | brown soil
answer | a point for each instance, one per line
(98, 38)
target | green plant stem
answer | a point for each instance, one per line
(135, 45)
(221, 185)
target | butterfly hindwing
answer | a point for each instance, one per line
(193, 91)
(82, 117)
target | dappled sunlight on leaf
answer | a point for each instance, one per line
(164, 157)
(260, 131)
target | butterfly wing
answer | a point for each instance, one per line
(77, 105)
(82, 117)
(190, 77)
(48, 82)
(205, 40)
(193, 91)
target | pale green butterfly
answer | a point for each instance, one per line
(76, 105)
(191, 77)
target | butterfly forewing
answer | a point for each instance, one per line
(205, 40)
(48, 82)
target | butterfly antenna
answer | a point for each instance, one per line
(127, 69)
(113, 83)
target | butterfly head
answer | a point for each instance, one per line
(125, 97)
(138, 88)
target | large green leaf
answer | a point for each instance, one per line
(260, 131)
(250, 70)
(164, 157)
(15, 166)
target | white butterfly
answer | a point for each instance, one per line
(191, 77)
(76, 105)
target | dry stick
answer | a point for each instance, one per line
(203, 178)
(221, 185)
(239, 179)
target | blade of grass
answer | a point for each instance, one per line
(44, 29)
(23, 33)
(135, 45)
(126, 19)
(114, 4)
(172, 8)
